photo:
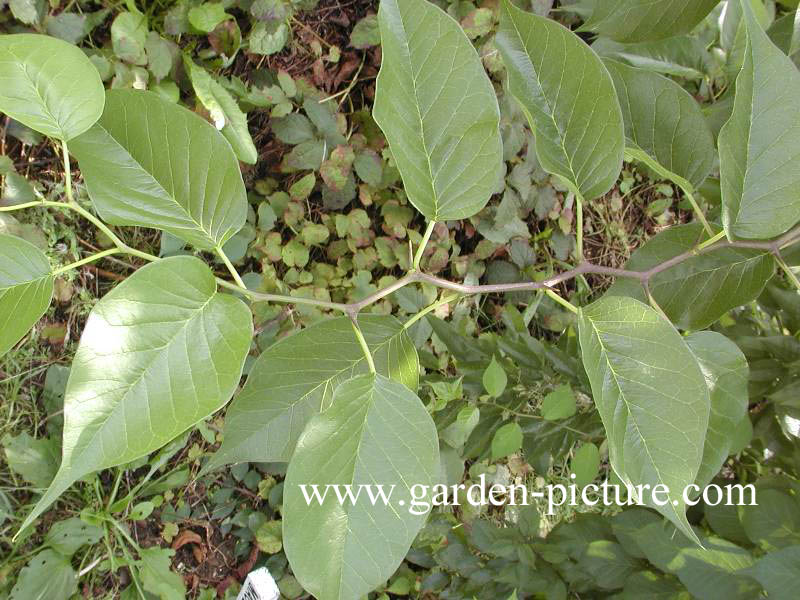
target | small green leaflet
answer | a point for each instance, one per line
(295, 378)
(577, 120)
(697, 292)
(725, 370)
(585, 464)
(651, 396)
(375, 432)
(49, 85)
(559, 404)
(150, 163)
(664, 126)
(438, 111)
(760, 144)
(160, 352)
(26, 288)
(507, 440)
(643, 20)
(225, 112)
(494, 379)
(68, 536)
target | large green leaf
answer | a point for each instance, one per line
(48, 576)
(26, 288)
(152, 163)
(642, 20)
(779, 573)
(698, 291)
(683, 56)
(726, 371)
(717, 571)
(376, 432)
(759, 146)
(651, 396)
(664, 126)
(568, 97)
(49, 85)
(160, 352)
(438, 110)
(294, 380)
(775, 521)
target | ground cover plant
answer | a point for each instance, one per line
(251, 246)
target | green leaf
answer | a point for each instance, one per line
(48, 575)
(779, 573)
(559, 404)
(268, 38)
(207, 16)
(507, 440)
(683, 56)
(759, 148)
(494, 379)
(366, 33)
(294, 379)
(647, 584)
(155, 570)
(664, 126)
(225, 112)
(651, 395)
(159, 353)
(33, 459)
(29, 12)
(642, 20)
(698, 291)
(577, 120)
(67, 537)
(717, 571)
(151, 163)
(269, 537)
(775, 522)
(438, 111)
(56, 89)
(26, 288)
(585, 464)
(375, 432)
(607, 563)
(725, 370)
(129, 37)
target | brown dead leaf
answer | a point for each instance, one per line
(187, 536)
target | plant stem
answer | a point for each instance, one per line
(422, 245)
(687, 191)
(115, 489)
(14, 207)
(85, 261)
(262, 297)
(579, 232)
(231, 268)
(364, 346)
(712, 240)
(67, 171)
(787, 269)
(566, 304)
(428, 309)
(416, 276)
